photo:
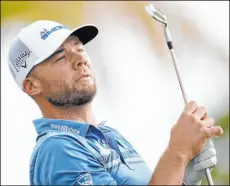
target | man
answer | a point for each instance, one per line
(50, 64)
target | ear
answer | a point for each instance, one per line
(31, 86)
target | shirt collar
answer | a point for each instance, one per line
(75, 127)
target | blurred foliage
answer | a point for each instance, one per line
(219, 178)
(61, 11)
(13, 8)
(224, 123)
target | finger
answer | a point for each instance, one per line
(209, 122)
(190, 107)
(206, 164)
(205, 155)
(200, 112)
(216, 131)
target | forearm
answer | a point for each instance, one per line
(170, 169)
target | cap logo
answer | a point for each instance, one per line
(43, 32)
(46, 33)
(20, 61)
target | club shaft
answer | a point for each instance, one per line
(173, 55)
(208, 177)
(178, 75)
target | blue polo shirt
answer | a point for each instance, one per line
(73, 153)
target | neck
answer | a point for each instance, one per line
(82, 113)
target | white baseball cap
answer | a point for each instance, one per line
(38, 41)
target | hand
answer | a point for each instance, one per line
(195, 170)
(192, 131)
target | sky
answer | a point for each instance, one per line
(142, 103)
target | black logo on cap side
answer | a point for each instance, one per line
(20, 61)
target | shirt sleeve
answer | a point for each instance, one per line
(65, 161)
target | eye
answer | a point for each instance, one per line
(60, 59)
(80, 50)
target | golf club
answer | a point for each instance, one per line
(159, 16)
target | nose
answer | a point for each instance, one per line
(78, 63)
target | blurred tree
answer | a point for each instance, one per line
(224, 123)
(60, 11)
(13, 8)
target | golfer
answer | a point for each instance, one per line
(49, 63)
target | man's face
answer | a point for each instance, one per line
(66, 78)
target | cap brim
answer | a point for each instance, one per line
(85, 33)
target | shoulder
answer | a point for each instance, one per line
(58, 153)
(55, 147)
(55, 141)
(59, 145)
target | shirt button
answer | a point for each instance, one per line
(103, 141)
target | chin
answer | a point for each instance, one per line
(86, 88)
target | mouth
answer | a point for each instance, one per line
(84, 76)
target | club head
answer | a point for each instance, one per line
(156, 14)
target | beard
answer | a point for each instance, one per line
(72, 97)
